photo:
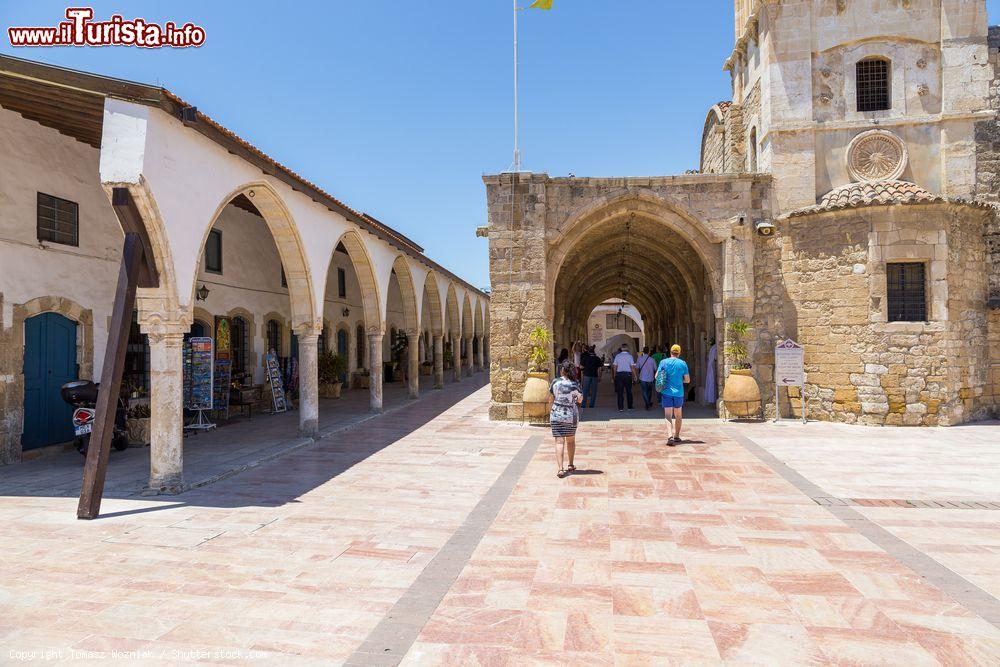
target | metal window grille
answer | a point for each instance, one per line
(274, 337)
(241, 345)
(907, 292)
(58, 220)
(873, 85)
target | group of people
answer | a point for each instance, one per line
(655, 372)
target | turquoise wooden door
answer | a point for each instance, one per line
(49, 363)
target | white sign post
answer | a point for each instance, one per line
(789, 371)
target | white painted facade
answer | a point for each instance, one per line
(183, 182)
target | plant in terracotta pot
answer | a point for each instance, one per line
(137, 425)
(331, 368)
(427, 368)
(536, 387)
(741, 394)
(449, 358)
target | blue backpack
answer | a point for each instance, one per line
(661, 378)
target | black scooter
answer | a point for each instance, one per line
(82, 395)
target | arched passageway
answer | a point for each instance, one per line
(640, 260)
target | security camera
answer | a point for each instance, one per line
(764, 227)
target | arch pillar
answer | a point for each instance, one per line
(413, 363)
(438, 361)
(479, 353)
(308, 339)
(376, 372)
(166, 410)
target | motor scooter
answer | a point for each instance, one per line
(82, 395)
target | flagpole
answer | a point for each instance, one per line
(517, 150)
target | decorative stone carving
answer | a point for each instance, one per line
(923, 89)
(876, 155)
(825, 98)
(922, 63)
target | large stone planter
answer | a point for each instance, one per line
(536, 396)
(426, 370)
(331, 390)
(741, 394)
(362, 381)
(138, 431)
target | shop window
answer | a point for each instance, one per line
(239, 331)
(342, 283)
(273, 331)
(58, 220)
(873, 85)
(906, 292)
(213, 252)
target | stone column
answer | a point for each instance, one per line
(413, 364)
(376, 371)
(438, 361)
(479, 355)
(166, 407)
(456, 358)
(469, 360)
(308, 382)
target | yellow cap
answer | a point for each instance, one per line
(675, 349)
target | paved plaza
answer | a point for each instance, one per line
(431, 535)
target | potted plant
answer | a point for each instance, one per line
(427, 368)
(449, 358)
(741, 394)
(535, 397)
(137, 425)
(331, 368)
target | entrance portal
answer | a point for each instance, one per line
(49, 363)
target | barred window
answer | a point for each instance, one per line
(58, 220)
(239, 332)
(873, 85)
(906, 292)
(274, 337)
(621, 322)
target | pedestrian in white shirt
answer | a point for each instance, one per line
(623, 366)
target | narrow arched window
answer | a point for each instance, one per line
(873, 85)
(274, 337)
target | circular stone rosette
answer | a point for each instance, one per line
(876, 155)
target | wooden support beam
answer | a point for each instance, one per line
(96, 467)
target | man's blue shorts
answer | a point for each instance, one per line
(671, 401)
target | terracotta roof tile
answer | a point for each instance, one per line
(876, 193)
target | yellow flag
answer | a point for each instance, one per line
(541, 4)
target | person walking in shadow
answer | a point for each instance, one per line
(564, 398)
(646, 371)
(623, 366)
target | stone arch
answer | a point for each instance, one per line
(477, 328)
(467, 321)
(365, 271)
(69, 309)
(285, 235)
(646, 204)
(407, 289)
(433, 295)
(452, 321)
(202, 315)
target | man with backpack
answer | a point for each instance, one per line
(645, 371)
(671, 376)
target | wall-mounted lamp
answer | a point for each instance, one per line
(202, 293)
(346, 312)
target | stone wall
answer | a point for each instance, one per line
(713, 143)
(821, 280)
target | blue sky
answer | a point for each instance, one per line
(398, 108)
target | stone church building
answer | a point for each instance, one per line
(845, 199)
